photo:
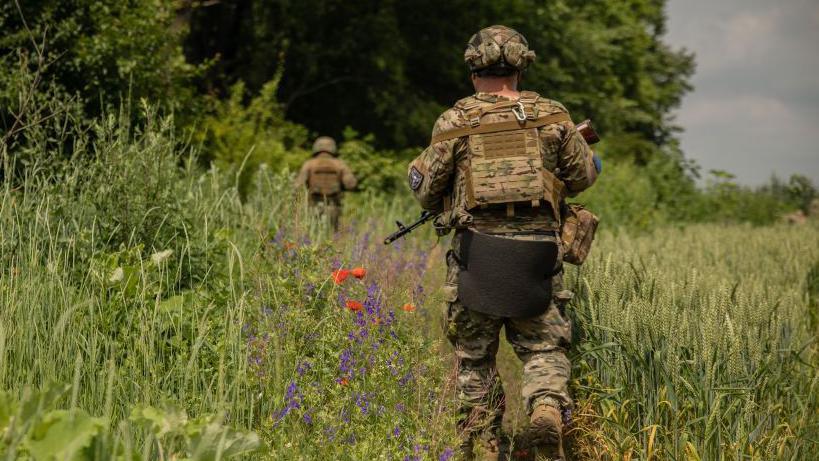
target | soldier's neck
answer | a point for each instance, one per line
(499, 86)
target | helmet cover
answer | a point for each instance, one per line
(498, 47)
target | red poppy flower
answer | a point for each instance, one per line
(354, 306)
(340, 276)
(343, 381)
(408, 307)
(359, 272)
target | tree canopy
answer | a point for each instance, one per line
(389, 67)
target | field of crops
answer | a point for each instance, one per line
(150, 313)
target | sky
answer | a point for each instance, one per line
(754, 110)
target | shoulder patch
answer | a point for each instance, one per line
(415, 178)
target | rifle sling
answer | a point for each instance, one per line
(499, 126)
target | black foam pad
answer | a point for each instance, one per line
(504, 276)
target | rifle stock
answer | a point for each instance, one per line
(586, 130)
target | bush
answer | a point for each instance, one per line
(103, 51)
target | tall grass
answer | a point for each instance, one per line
(143, 296)
(698, 344)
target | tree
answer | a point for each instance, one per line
(102, 50)
(383, 68)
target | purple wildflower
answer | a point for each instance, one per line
(362, 402)
(303, 368)
(279, 237)
(346, 362)
(405, 379)
(447, 455)
(292, 401)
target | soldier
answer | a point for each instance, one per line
(498, 167)
(326, 176)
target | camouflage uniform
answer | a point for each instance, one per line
(326, 177)
(541, 341)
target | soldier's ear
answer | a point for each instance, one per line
(474, 78)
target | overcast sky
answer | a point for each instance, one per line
(755, 105)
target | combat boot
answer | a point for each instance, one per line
(545, 433)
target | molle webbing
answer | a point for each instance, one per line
(324, 178)
(505, 168)
(500, 126)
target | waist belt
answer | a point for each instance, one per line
(506, 277)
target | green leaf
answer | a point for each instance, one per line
(63, 435)
(213, 441)
(8, 408)
(172, 304)
(159, 422)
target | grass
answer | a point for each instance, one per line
(695, 344)
(150, 313)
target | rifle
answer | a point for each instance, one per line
(585, 129)
(404, 230)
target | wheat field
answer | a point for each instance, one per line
(696, 344)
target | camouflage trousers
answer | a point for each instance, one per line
(329, 207)
(540, 342)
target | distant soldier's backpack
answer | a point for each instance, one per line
(324, 177)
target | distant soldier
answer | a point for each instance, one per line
(326, 177)
(813, 208)
(498, 167)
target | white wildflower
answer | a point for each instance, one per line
(158, 258)
(117, 275)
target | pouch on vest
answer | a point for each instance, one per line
(506, 277)
(577, 233)
(324, 180)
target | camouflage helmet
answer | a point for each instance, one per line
(324, 144)
(498, 47)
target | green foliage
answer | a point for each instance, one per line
(382, 171)
(60, 434)
(384, 69)
(36, 429)
(240, 136)
(142, 281)
(624, 197)
(205, 439)
(103, 51)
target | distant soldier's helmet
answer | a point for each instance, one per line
(498, 47)
(324, 144)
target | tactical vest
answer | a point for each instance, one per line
(505, 164)
(324, 177)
